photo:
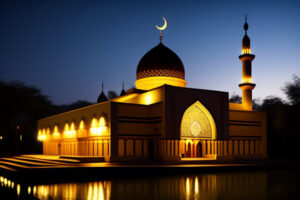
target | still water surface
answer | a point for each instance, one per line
(229, 185)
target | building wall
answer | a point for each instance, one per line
(147, 126)
(140, 120)
(248, 125)
(66, 136)
(162, 149)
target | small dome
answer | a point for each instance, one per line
(160, 61)
(102, 98)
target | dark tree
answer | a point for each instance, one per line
(111, 94)
(235, 99)
(75, 105)
(292, 90)
(271, 101)
(21, 106)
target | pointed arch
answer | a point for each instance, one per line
(197, 122)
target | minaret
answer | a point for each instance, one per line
(246, 58)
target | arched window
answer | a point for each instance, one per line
(66, 130)
(81, 125)
(95, 130)
(72, 132)
(197, 122)
(39, 136)
(56, 133)
(102, 121)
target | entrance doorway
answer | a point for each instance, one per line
(199, 150)
(188, 151)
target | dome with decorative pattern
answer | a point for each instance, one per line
(160, 62)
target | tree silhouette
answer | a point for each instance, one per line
(271, 101)
(235, 98)
(111, 94)
(292, 90)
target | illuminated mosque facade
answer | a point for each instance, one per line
(161, 119)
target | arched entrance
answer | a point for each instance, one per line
(199, 150)
(188, 151)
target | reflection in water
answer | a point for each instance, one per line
(92, 190)
(246, 185)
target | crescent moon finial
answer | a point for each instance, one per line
(162, 27)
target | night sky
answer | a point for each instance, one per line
(67, 48)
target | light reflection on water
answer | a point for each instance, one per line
(246, 185)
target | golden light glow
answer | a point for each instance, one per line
(41, 135)
(148, 99)
(69, 131)
(157, 81)
(196, 185)
(125, 97)
(56, 134)
(81, 125)
(187, 187)
(29, 189)
(72, 132)
(247, 80)
(98, 128)
(198, 113)
(164, 26)
(102, 121)
(246, 51)
(18, 189)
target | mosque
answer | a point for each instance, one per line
(162, 119)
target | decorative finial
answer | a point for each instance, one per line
(162, 28)
(246, 24)
(123, 85)
(102, 86)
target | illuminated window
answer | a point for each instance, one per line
(94, 123)
(56, 133)
(72, 132)
(95, 130)
(81, 125)
(102, 121)
(66, 130)
(246, 51)
(98, 129)
(247, 80)
(39, 137)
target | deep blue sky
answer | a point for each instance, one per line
(67, 48)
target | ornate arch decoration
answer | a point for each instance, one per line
(197, 122)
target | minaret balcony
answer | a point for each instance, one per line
(247, 86)
(245, 57)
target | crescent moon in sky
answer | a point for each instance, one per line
(164, 26)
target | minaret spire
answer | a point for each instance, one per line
(160, 37)
(123, 91)
(102, 97)
(246, 58)
(246, 25)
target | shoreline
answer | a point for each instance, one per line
(102, 171)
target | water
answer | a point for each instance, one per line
(229, 185)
